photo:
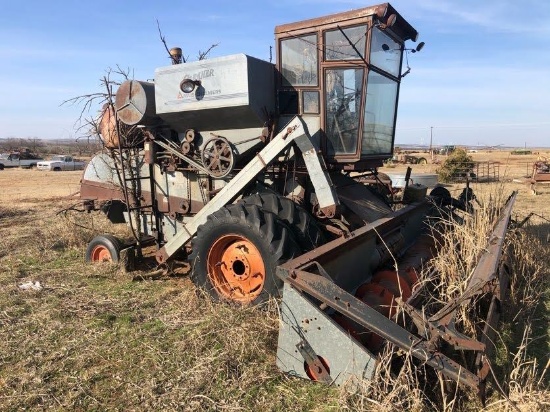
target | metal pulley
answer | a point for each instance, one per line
(217, 157)
(186, 147)
(190, 135)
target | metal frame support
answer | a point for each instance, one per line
(295, 130)
(333, 296)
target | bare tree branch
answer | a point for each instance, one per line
(125, 73)
(86, 100)
(163, 40)
(202, 55)
(90, 125)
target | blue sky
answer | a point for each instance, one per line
(482, 78)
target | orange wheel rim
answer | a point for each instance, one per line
(101, 254)
(314, 372)
(236, 268)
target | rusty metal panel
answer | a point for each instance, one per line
(302, 322)
(308, 276)
(100, 191)
(541, 177)
(351, 260)
(381, 11)
(325, 291)
(107, 127)
(135, 103)
(358, 198)
(332, 19)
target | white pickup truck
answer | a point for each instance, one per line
(61, 162)
(17, 160)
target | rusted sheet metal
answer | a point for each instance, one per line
(382, 226)
(358, 198)
(171, 204)
(541, 171)
(330, 19)
(108, 127)
(489, 278)
(382, 12)
(135, 103)
(311, 346)
(92, 190)
(326, 291)
(541, 177)
(351, 260)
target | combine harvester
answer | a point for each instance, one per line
(264, 178)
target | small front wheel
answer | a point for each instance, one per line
(104, 248)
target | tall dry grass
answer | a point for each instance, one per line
(525, 339)
(519, 378)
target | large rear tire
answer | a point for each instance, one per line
(303, 226)
(236, 253)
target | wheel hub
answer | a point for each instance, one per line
(101, 254)
(236, 268)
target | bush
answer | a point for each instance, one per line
(521, 152)
(458, 165)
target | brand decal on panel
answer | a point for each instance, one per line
(200, 92)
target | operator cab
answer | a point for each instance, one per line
(341, 73)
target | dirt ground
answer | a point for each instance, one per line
(22, 188)
(46, 193)
(510, 166)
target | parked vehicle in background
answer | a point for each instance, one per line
(447, 150)
(541, 170)
(409, 159)
(18, 159)
(61, 162)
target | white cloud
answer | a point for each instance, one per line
(491, 15)
(528, 16)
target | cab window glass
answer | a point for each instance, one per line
(385, 52)
(310, 102)
(343, 103)
(379, 116)
(337, 47)
(299, 61)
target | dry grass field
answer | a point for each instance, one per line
(97, 338)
